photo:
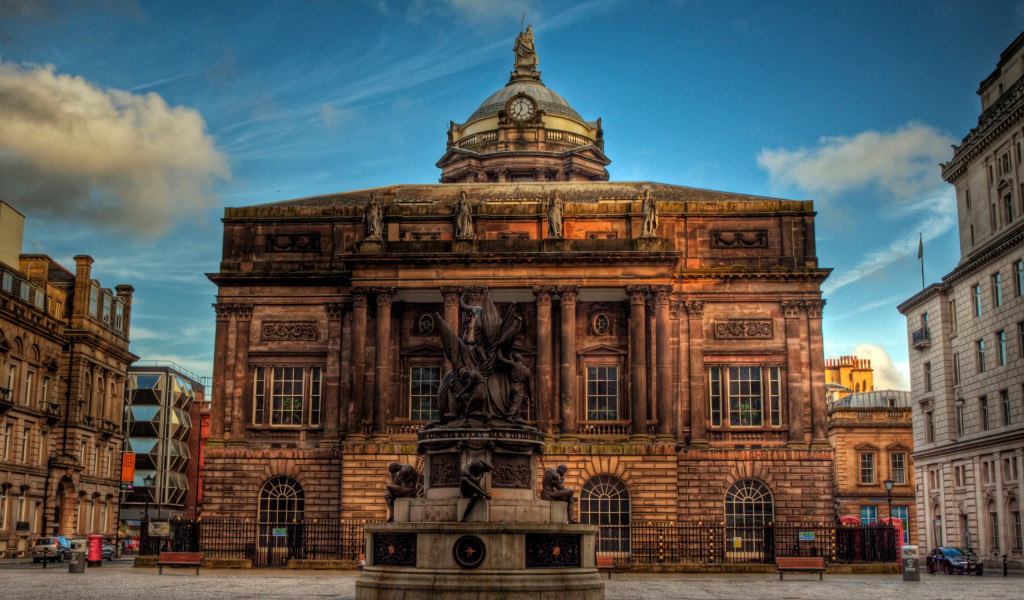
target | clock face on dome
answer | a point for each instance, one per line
(521, 108)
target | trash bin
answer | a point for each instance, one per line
(909, 560)
(77, 562)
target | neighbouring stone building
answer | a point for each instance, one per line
(966, 336)
(847, 375)
(872, 433)
(63, 358)
(673, 333)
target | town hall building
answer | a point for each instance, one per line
(673, 334)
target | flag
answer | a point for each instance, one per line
(920, 247)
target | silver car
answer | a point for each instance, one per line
(51, 549)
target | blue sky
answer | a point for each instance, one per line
(127, 127)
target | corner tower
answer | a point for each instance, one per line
(524, 132)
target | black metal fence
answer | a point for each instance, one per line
(270, 544)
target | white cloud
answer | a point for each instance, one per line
(902, 163)
(121, 162)
(887, 375)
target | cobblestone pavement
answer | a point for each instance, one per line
(121, 581)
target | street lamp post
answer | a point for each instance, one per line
(888, 483)
(835, 509)
(148, 481)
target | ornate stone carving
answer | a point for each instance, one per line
(464, 218)
(444, 470)
(450, 295)
(637, 294)
(661, 294)
(512, 472)
(384, 296)
(743, 328)
(394, 549)
(721, 238)
(649, 219)
(334, 310)
(473, 294)
(675, 309)
(425, 325)
(243, 311)
(567, 294)
(694, 308)
(543, 294)
(306, 242)
(791, 308)
(374, 217)
(359, 298)
(290, 330)
(526, 56)
(224, 311)
(545, 550)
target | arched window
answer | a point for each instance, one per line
(604, 501)
(281, 501)
(748, 507)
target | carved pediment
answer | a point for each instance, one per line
(599, 349)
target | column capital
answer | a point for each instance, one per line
(450, 295)
(567, 294)
(662, 293)
(675, 308)
(637, 294)
(474, 294)
(694, 308)
(814, 308)
(359, 298)
(384, 295)
(224, 311)
(791, 308)
(333, 310)
(543, 294)
(243, 311)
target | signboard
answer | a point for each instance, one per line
(737, 542)
(806, 536)
(159, 528)
(128, 467)
(279, 531)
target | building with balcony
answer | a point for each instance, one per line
(966, 337)
(872, 433)
(63, 357)
(159, 427)
(673, 334)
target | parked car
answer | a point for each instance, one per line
(108, 550)
(953, 561)
(52, 549)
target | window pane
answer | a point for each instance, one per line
(423, 386)
(602, 393)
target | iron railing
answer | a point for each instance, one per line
(650, 542)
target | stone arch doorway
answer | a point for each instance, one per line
(749, 506)
(605, 502)
(281, 511)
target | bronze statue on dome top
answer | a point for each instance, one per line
(526, 55)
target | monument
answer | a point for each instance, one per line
(480, 527)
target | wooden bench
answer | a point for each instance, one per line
(800, 564)
(180, 559)
(605, 563)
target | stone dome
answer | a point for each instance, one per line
(547, 100)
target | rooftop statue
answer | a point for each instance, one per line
(649, 220)
(555, 216)
(463, 218)
(488, 383)
(374, 218)
(526, 55)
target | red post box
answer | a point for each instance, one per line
(95, 551)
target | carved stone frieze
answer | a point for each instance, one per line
(791, 308)
(333, 310)
(243, 311)
(694, 308)
(743, 329)
(305, 242)
(723, 238)
(814, 308)
(444, 470)
(290, 330)
(511, 472)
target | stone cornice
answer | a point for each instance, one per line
(992, 123)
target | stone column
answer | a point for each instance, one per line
(358, 363)
(666, 416)
(794, 374)
(698, 399)
(567, 300)
(545, 412)
(243, 319)
(637, 360)
(651, 332)
(451, 315)
(382, 369)
(681, 395)
(331, 396)
(819, 413)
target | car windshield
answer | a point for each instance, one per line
(951, 552)
(44, 541)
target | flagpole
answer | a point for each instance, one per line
(920, 256)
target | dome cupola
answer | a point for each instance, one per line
(524, 132)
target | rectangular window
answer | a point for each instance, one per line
(1020, 338)
(1004, 400)
(286, 393)
(315, 387)
(977, 300)
(775, 395)
(868, 515)
(1018, 278)
(1016, 530)
(602, 393)
(867, 468)
(927, 376)
(119, 316)
(959, 419)
(423, 386)
(94, 296)
(997, 290)
(745, 396)
(900, 512)
(25, 433)
(983, 406)
(1008, 207)
(959, 475)
(956, 368)
(29, 376)
(981, 356)
(3, 508)
(1001, 345)
(8, 430)
(106, 309)
(992, 216)
(742, 393)
(259, 396)
(994, 520)
(929, 427)
(40, 300)
(952, 315)
(8, 282)
(715, 383)
(898, 467)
